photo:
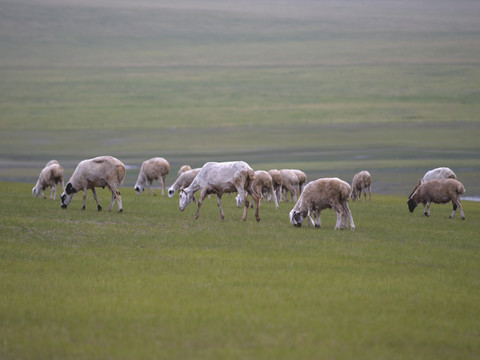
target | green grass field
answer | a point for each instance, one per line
(328, 87)
(152, 282)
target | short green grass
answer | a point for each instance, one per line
(152, 282)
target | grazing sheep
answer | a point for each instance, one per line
(323, 194)
(51, 175)
(277, 182)
(302, 179)
(360, 183)
(183, 181)
(263, 185)
(438, 173)
(153, 169)
(221, 178)
(183, 168)
(97, 172)
(440, 191)
(290, 183)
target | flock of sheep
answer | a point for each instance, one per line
(437, 186)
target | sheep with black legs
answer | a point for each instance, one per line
(325, 193)
(362, 182)
(439, 191)
(220, 178)
(97, 172)
(154, 169)
(435, 174)
(51, 175)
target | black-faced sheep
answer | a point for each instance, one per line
(51, 175)
(435, 174)
(153, 169)
(322, 194)
(263, 185)
(97, 172)
(221, 178)
(439, 192)
(183, 181)
(362, 182)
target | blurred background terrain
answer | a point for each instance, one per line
(329, 87)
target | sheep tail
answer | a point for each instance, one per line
(460, 189)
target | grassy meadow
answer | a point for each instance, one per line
(152, 282)
(328, 87)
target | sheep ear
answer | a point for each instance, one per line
(70, 189)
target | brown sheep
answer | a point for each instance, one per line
(97, 172)
(325, 193)
(263, 185)
(438, 173)
(440, 191)
(360, 183)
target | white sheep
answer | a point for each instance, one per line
(440, 191)
(221, 178)
(183, 168)
(362, 182)
(263, 185)
(153, 169)
(51, 175)
(435, 174)
(323, 194)
(302, 179)
(97, 172)
(277, 182)
(290, 184)
(183, 181)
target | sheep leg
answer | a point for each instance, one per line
(272, 192)
(427, 212)
(257, 207)
(94, 196)
(246, 203)
(53, 189)
(199, 203)
(348, 215)
(149, 187)
(309, 215)
(163, 185)
(119, 200)
(85, 197)
(369, 193)
(219, 203)
(318, 221)
(459, 204)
